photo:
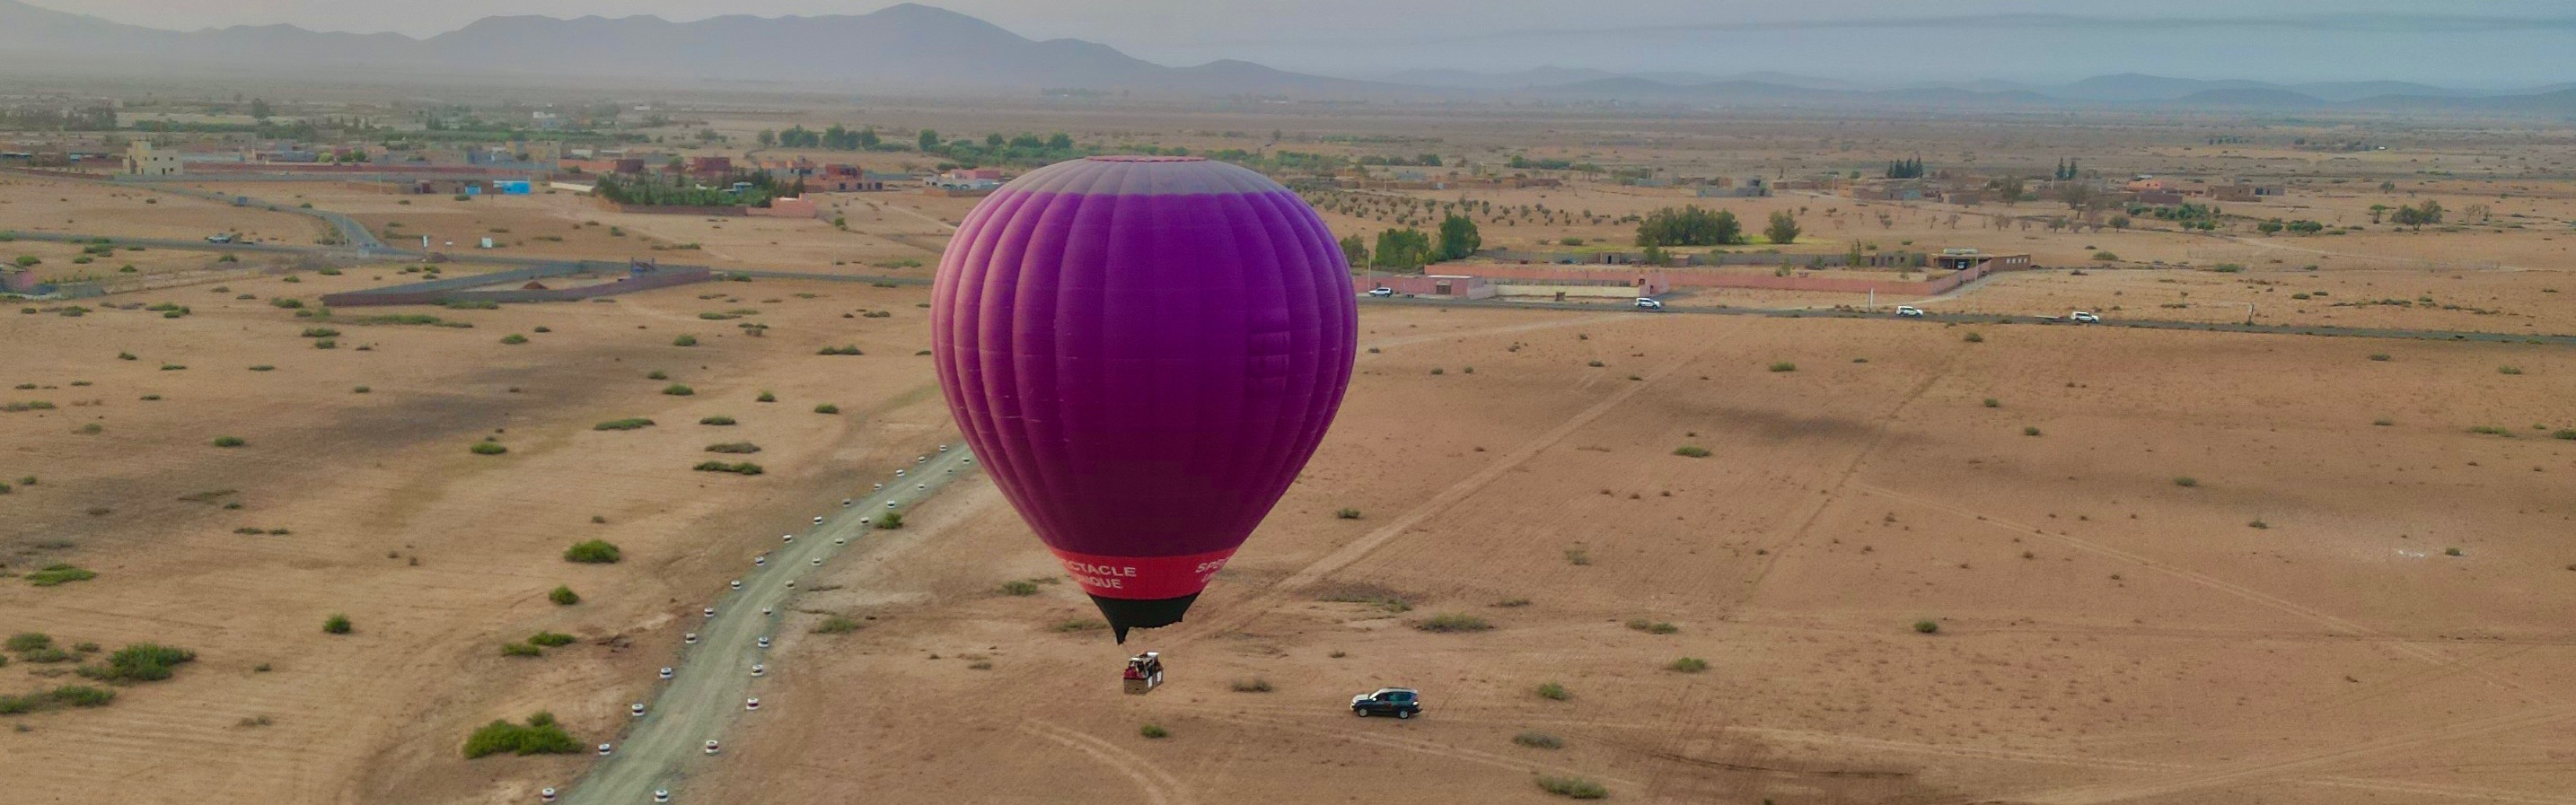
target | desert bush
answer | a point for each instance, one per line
(550, 639)
(1453, 622)
(1927, 626)
(677, 390)
(1020, 587)
(1691, 451)
(744, 468)
(766, 396)
(288, 303)
(541, 736)
(1347, 514)
(890, 521)
(2185, 481)
(1253, 685)
(2029, 431)
(1652, 627)
(1974, 338)
(2379, 356)
(716, 420)
(140, 662)
(1578, 556)
(593, 552)
(46, 656)
(2450, 552)
(82, 696)
(837, 624)
(827, 408)
(851, 349)
(488, 448)
(1538, 740)
(2492, 430)
(685, 341)
(2383, 422)
(1155, 731)
(734, 448)
(331, 343)
(30, 641)
(229, 441)
(631, 423)
(563, 594)
(19, 705)
(657, 374)
(1687, 665)
(1783, 366)
(514, 338)
(1553, 691)
(521, 650)
(60, 574)
(336, 624)
(1370, 594)
(1571, 787)
(2257, 524)
(1079, 625)
(1594, 364)
(2508, 370)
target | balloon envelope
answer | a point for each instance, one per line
(1144, 351)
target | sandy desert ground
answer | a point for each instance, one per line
(2159, 567)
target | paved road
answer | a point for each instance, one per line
(712, 678)
(1980, 318)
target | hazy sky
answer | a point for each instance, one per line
(2466, 42)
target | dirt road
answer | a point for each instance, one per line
(711, 679)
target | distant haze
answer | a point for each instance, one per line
(2471, 43)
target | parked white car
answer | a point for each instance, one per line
(547, 795)
(1381, 291)
(1649, 303)
(636, 709)
(752, 703)
(691, 639)
(666, 670)
(660, 795)
(757, 669)
(1909, 312)
(2085, 317)
(764, 641)
(711, 747)
(604, 749)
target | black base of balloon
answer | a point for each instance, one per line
(1129, 613)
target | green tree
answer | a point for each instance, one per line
(1784, 227)
(1656, 256)
(2010, 188)
(994, 141)
(768, 138)
(1355, 250)
(1458, 238)
(2377, 210)
(868, 138)
(2269, 227)
(1689, 226)
(1402, 249)
(929, 141)
(260, 111)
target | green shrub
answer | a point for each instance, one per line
(765, 396)
(83, 696)
(30, 641)
(1154, 731)
(744, 468)
(852, 349)
(657, 374)
(1578, 556)
(140, 662)
(229, 441)
(1784, 366)
(2029, 431)
(827, 408)
(286, 302)
(677, 390)
(1974, 338)
(2185, 481)
(1652, 627)
(1453, 622)
(488, 448)
(1347, 514)
(1553, 691)
(1253, 685)
(1079, 625)
(1993, 403)
(541, 736)
(734, 448)
(2450, 552)
(716, 420)
(1571, 787)
(2379, 356)
(685, 341)
(593, 552)
(1927, 626)
(890, 521)
(1020, 587)
(59, 574)
(521, 650)
(1687, 665)
(551, 639)
(2508, 370)
(1691, 451)
(563, 594)
(1538, 740)
(632, 423)
(336, 624)
(837, 624)
(514, 338)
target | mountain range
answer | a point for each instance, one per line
(918, 48)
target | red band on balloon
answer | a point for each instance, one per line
(1143, 578)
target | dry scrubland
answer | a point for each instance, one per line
(2154, 566)
(437, 555)
(2097, 621)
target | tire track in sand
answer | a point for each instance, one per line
(1160, 787)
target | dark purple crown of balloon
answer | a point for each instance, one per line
(1143, 351)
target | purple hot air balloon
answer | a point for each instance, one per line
(1144, 351)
